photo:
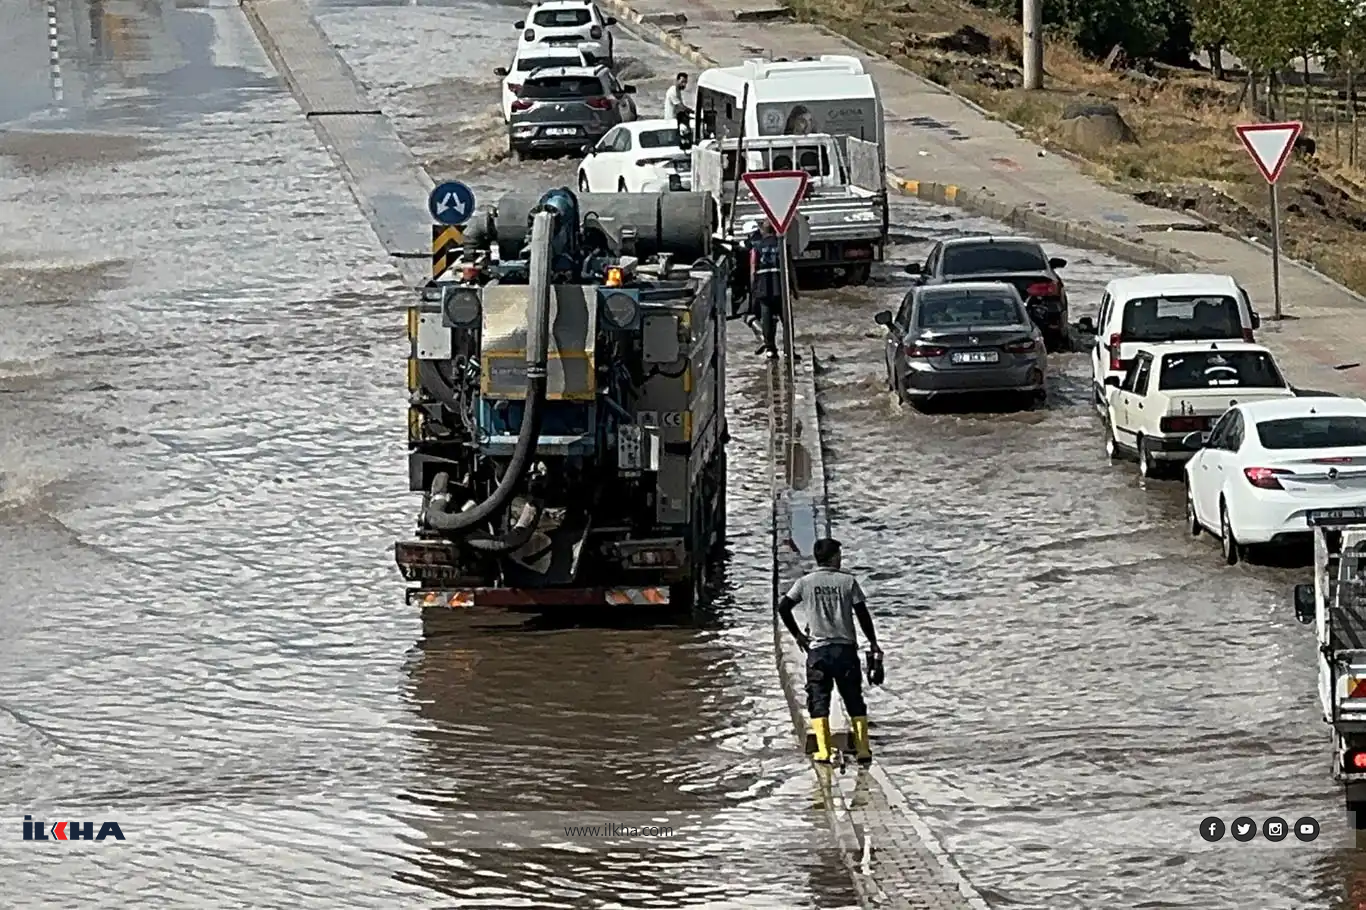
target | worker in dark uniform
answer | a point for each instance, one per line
(833, 599)
(766, 286)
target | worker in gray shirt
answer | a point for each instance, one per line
(833, 599)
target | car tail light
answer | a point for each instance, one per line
(529, 34)
(595, 32)
(1247, 335)
(1115, 341)
(1023, 346)
(925, 350)
(599, 104)
(1043, 289)
(1184, 424)
(1265, 478)
(521, 105)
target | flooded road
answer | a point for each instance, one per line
(201, 473)
(1073, 682)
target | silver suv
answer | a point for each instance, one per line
(560, 109)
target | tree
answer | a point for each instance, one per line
(1213, 22)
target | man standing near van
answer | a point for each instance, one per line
(766, 287)
(674, 106)
(833, 599)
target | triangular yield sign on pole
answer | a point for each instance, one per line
(778, 193)
(1270, 144)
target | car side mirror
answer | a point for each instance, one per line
(610, 20)
(1256, 321)
(1086, 325)
(589, 148)
(519, 24)
(500, 71)
(912, 268)
(884, 318)
(1056, 263)
(1112, 381)
(629, 89)
(1193, 441)
(1305, 607)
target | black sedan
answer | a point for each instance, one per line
(964, 338)
(1014, 260)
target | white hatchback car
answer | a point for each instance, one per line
(570, 23)
(534, 57)
(646, 156)
(1269, 462)
(1173, 390)
(1175, 307)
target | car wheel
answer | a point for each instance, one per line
(1228, 543)
(583, 183)
(1192, 520)
(1111, 446)
(1147, 465)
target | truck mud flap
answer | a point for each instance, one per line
(541, 598)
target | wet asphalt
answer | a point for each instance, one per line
(201, 472)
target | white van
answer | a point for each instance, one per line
(1152, 309)
(833, 94)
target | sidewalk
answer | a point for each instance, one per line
(947, 150)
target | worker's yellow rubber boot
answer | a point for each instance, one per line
(821, 727)
(863, 749)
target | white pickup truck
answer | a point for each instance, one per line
(844, 212)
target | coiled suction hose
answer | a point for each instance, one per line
(537, 353)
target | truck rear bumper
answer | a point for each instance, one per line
(537, 599)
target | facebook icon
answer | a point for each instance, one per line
(1212, 829)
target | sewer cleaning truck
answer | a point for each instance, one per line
(566, 421)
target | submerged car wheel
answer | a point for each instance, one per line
(1147, 464)
(1192, 520)
(1231, 548)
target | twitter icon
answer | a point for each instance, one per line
(1244, 829)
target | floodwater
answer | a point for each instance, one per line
(201, 472)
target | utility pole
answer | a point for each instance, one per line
(1033, 45)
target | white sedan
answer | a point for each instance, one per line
(1268, 462)
(644, 156)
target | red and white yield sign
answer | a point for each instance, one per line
(778, 193)
(1270, 144)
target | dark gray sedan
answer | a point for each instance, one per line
(970, 337)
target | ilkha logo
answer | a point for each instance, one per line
(69, 830)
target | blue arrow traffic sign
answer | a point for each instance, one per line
(451, 203)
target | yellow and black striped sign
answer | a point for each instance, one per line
(446, 242)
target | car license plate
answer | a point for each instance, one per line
(974, 357)
(560, 131)
(810, 254)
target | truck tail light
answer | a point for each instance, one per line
(1115, 341)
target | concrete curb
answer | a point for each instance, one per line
(652, 33)
(1072, 233)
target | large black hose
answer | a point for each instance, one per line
(537, 354)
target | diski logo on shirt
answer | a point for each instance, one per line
(70, 830)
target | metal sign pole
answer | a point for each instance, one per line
(1276, 248)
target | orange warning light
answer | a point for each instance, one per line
(613, 277)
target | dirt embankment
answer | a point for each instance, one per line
(1179, 150)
